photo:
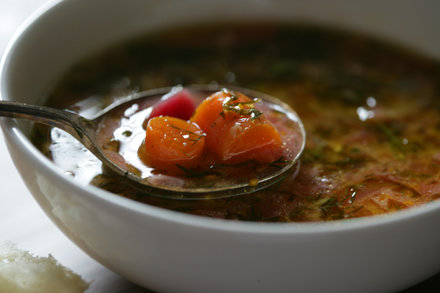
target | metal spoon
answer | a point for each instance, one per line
(85, 130)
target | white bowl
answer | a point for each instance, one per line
(168, 251)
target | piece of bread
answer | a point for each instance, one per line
(22, 272)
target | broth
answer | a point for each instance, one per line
(370, 109)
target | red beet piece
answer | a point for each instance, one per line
(177, 103)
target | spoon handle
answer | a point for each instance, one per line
(70, 122)
(82, 129)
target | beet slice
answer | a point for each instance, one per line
(177, 103)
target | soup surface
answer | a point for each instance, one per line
(371, 112)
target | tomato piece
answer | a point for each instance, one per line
(235, 130)
(172, 142)
(177, 103)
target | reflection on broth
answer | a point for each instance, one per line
(370, 110)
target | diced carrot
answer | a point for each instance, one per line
(172, 142)
(255, 141)
(235, 130)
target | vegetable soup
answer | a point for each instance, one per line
(371, 111)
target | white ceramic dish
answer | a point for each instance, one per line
(172, 252)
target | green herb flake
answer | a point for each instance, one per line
(242, 108)
(194, 140)
(394, 141)
(127, 133)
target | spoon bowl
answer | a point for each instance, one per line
(86, 130)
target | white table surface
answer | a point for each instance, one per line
(24, 223)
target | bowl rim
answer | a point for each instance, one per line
(22, 144)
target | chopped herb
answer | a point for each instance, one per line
(395, 142)
(354, 210)
(329, 204)
(242, 108)
(279, 163)
(194, 140)
(127, 133)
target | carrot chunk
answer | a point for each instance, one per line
(172, 142)
(235, 130)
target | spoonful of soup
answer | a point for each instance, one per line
(198, 142)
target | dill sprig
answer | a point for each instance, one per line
(243, 108)
(395, 142)
(279, 163)
(332, 207)
(194, 140)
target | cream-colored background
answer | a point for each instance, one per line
(24, 223)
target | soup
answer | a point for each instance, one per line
(370, 110)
